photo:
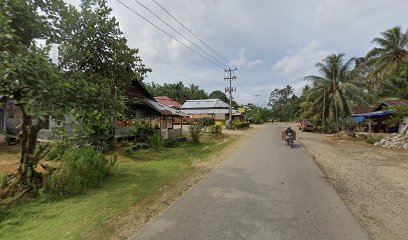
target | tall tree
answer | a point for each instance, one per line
(28, 78)
(330, 89)
(390, 55)
(95, 51)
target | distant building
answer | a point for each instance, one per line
(142, 106)
(376, 119)
(211, 108)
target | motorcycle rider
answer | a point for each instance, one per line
(288, 131)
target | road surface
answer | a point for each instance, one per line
(265, 190)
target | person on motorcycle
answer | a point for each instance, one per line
(288, 130)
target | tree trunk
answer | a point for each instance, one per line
(28, 177)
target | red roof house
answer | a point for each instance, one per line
(166, 101)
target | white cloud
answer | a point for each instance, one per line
(278, 33)
(243, 62)
(301, 64)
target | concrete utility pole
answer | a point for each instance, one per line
(257, 102)
(231, 77)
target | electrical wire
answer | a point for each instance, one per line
(178, 32)
(169, 35)
(191, 32)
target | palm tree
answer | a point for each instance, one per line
(391, 52)
(333, 91)
(287, 91)
(396, 87)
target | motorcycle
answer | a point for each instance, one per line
(289, 139)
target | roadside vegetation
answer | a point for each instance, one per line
(132, 178)
(344, 84)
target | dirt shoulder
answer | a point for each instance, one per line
(123, 226)
(371, 180)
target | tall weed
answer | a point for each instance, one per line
(81, 168)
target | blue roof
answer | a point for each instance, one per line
(362, 116)
(371, 114)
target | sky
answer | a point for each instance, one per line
(272, 42)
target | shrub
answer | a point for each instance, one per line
(156, 142)
(139, 146)
(230, 126)
(239, 125)
(128, 151)
(258, 120)
(215, 129)
(142, 131)
(58, 149)
(372, 138)
(170, 143)
(206, 122)
(195, 132)
(81, 168)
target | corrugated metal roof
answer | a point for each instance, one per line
(168, 101)
(162, 109)
(371, 114)
(205, 111)
(205, 103)
(392, 103)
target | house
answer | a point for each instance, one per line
(206, 108)
(142, 106)
(376, 119)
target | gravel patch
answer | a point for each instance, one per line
(373, 181)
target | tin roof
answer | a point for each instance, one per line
(168, 102)
(205, 111)
(392, 103)
(205, 104)
(162, 109)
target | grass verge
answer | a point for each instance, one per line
(134, 180)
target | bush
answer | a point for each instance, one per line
(81, 168)
(58, 149)
(170, 143)
(156, 142)
(215, 129)
(230, 126)
(128, 151)
(372, 138)
(258, 120)
(206, 122)
(142, 131)
(195, 132)
(239, 125)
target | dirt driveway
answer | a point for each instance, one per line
(372, 181)
(9, 157)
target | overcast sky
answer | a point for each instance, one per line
(272, 42)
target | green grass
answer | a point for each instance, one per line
(134, 180)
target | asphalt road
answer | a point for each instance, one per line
(265, 190)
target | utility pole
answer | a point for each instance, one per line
(231, 77)
(257, 102)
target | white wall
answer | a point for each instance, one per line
(403, 125)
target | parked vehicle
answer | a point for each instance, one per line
(306, 125)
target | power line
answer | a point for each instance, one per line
(220, 64)
(191, 32)
(169, 35)
(178, 32)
